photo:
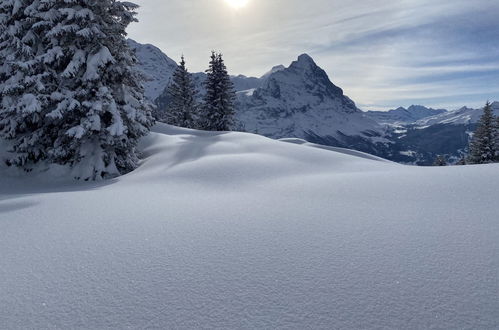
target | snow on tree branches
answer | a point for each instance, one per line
(70, 93)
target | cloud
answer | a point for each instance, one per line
(383, 54)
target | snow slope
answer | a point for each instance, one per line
(237, 231)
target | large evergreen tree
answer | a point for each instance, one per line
(22, 92)
(177, 105)
(482, 146)
(218, 108)
(70, 93)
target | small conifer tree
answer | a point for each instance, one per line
(482, 146)
(177, 106)
(218, 109)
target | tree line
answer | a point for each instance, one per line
(179, 106)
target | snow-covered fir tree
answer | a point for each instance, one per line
(22, 92)
(482, 146)
(70, 93)
(177, 105)
(217, 113)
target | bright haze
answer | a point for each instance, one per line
(384, 54)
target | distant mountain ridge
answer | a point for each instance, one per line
(463, 116)
(403, 115)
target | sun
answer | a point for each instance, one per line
(237, 4)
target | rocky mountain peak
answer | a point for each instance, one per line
(304, 61)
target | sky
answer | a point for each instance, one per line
(383, 53)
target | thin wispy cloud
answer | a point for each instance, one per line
(439, 53)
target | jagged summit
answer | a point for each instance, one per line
(301, 101)
(304, 60)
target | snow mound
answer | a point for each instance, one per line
(233, 230)
(336, 149)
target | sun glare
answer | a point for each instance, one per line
(237, 4)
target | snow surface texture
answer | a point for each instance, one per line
(237, 231)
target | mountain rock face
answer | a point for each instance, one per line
(301, 102)
(155, 65)
(404, 116)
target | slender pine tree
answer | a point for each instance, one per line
(177, 105)
(482, 146)
(77, 99)
(218, 108)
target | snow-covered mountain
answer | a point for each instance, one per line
(155, 65)
(298, 101)
(276, 68)
(301, 102)
(404, 116)
(463, 116)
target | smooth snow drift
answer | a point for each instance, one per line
(237, 231)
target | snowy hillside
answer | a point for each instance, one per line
(404, 116)
(235, 231)
(300, 101)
